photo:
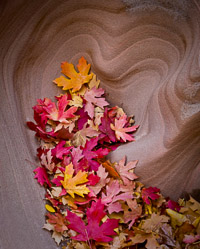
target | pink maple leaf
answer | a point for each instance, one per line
(150, 193)
(121, 129)
(93, 99)
(94, 230)
(127, 186)
(112, 189)
(58, 113)
(57, 180)
(189, 239)
(59, 151)
(78, 160)
(113, 195)
(102, 174)
(114, 207)
(41, 176)
(126, 171)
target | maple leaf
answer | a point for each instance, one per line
(177, 219)
(126, 171)
(118, 241)
(83, 135)
(189, 239)
(173, 205)
(76, 100)
(154, 223)
(111, 169)
(46, 160)
(102, 174)
(112, 189)
(127, 186)
(94, 230)
(141, 237)
(150, 193)
(59, 151)
(105, 126)
(78, 160)
(59, 113)
(134, 214)
(76, 156)
(75, 80)
(41, 176)
(166, 234)
(83, 118)
(114, 207)
(93, 179)
(90, 154)
(93, 99)
(121, 129)
(57, 237)
(40, 115)
(74, 185)
(113, 195)
(59, 222)
(193, 204)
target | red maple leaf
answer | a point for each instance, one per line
(173, 205)
(58, 113)
(59, 151)
(90, 153)
(94, 230)
(105, 126)
(150, 193)
(41, 176)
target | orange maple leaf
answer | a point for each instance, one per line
(59, 222)
(75, 80)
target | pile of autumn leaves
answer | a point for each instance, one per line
(93, 203)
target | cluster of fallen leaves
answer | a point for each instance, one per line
(92, 202)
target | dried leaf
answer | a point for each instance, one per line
(76, 80)
(126, 171)
(154, 223)
(177, 219)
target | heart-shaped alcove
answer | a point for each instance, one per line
(147, 60)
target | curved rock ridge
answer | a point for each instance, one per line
(147, 57)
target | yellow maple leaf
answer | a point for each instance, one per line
(76, 100)
(75, 80)
(177, 219)
(74, 185)
(92, 83)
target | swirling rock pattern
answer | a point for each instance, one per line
(148, 62)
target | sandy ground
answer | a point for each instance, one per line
(148, 62)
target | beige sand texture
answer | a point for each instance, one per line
(147, 56)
